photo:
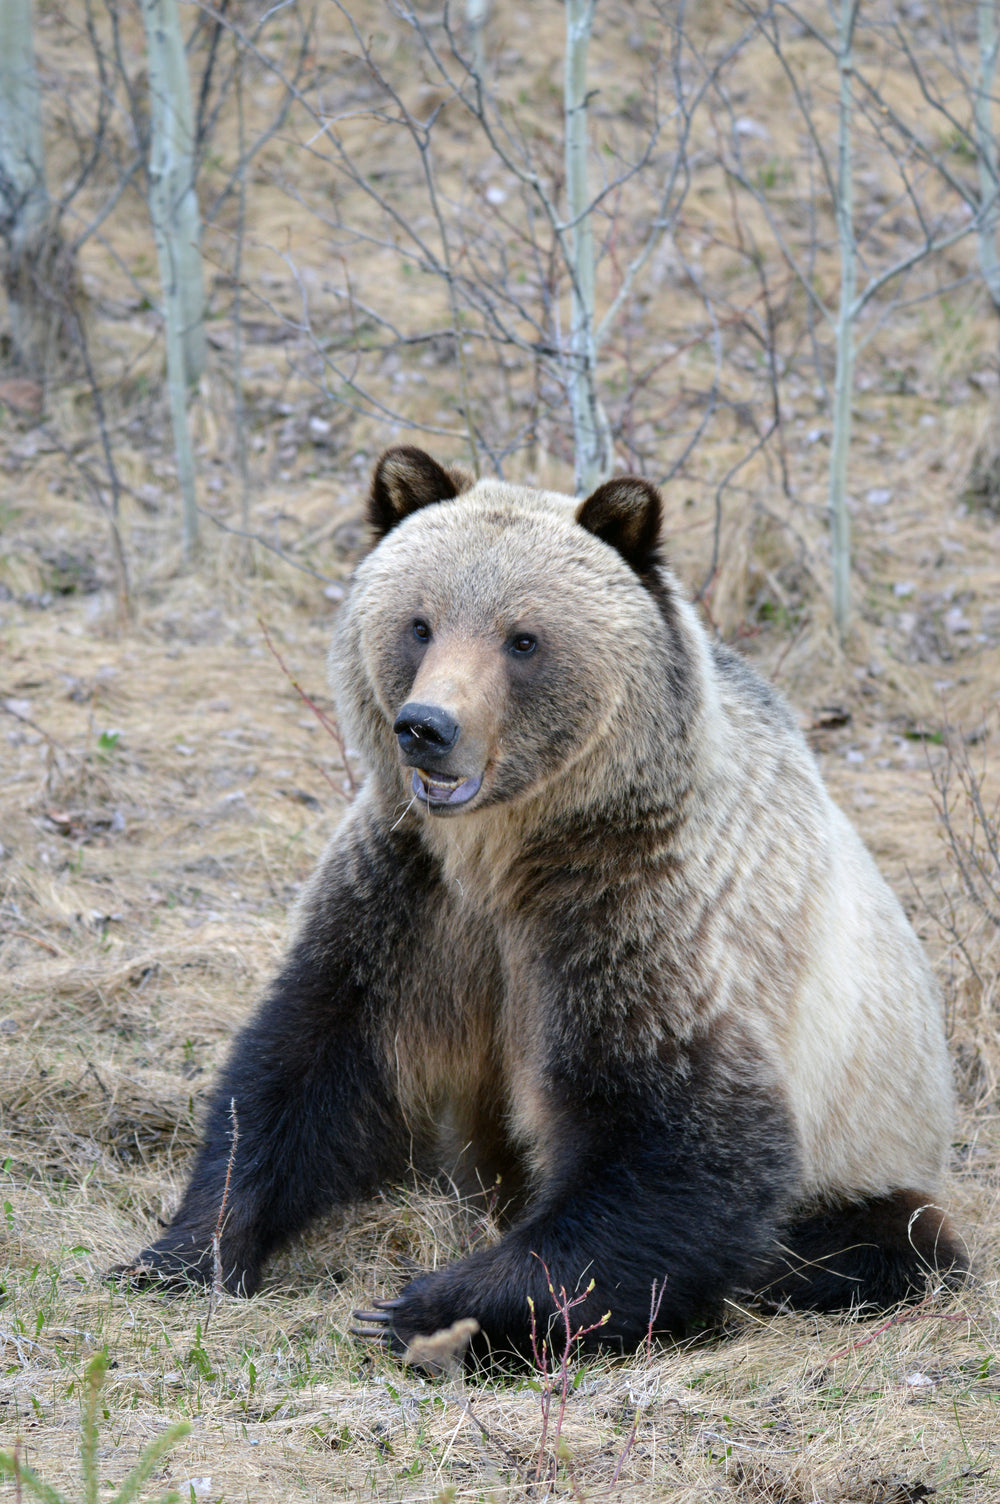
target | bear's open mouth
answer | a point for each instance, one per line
(439, 789)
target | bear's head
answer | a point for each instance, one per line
(496, 635)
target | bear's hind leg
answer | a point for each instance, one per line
(875, 1252)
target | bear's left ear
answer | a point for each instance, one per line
(626, 513)
(405, 480)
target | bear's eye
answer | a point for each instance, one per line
(523, 644)
(421, 631)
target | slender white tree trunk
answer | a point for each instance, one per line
(985, 469)
(476, 16)
(29, 237)
(174, 203)
(593, 457)
(986, 148)
(840, 537)
(173, 207)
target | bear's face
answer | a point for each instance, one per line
(489, 637)
(470, 649)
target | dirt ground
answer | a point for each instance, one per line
(166, 786)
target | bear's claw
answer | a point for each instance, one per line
(379, 1336)
(377, 1322)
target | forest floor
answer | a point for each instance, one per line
(165, 789)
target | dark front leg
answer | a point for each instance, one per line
(317, 1126)
(680, 1182)
(316, 1107)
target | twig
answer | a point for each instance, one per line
(27, 721)
(951, 929)
(327, 722)
(505, 1452)
(217, 1289)
(744, 459)
(53, 950)
(239, 532)
(656, 1300)
(903, 1319)
(793, 639)
(112, 509)
(540, 1351)
(978, 866)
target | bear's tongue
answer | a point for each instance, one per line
(441, 790)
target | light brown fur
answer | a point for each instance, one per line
(760, 903)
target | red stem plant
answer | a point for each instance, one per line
(553, 1371)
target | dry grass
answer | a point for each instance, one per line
(164, 792)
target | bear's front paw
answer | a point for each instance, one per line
(186, 1257)
(182, 1262)
(154, 1269)
(423, 1325)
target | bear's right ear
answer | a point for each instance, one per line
(405, 480)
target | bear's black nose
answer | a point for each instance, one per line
(425, 728)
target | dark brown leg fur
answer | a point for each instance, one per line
(872, 1253)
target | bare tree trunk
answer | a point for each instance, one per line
(986, 149)
(593, 457)
(36, 280)
(983, 484)
(242, 463)
(477, 14)
(173, 206)
(840, 539)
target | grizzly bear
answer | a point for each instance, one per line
(594, 926)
